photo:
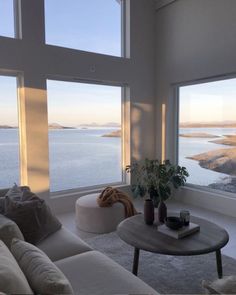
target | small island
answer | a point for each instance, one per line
(227, 140)
(56, 126)
(7, 127)
(199, 135)
(116, 133)
(222, 160)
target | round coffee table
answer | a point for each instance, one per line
(210, 238)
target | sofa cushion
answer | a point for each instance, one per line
(12, 279)
(94, 273)
(33, 217)
(62, 244)
(42, 274)
(9, 230)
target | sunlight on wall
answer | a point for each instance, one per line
(163, 132)
(34, 138)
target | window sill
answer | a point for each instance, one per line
(224, 203)
(85, 190)
(64, 201)
(211, 191)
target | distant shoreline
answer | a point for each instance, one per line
(198, 135)
(50, 127)
(116, 133)
(208, 125)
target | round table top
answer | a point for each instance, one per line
(136, 233)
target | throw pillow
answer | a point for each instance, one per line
(33, 217)
(9, 230)
(43, 275)
(15, 192)
(227, 285)
(12, 279)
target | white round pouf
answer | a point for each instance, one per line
(94, 219)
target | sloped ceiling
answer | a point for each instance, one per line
(162, 3)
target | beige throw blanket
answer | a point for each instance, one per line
(110, 195)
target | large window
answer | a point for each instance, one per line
(207, 133)
(84, 134)
(7, 18)
(90, 25)
(9, 142)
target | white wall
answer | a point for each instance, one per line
(35, 61)
(194, 40)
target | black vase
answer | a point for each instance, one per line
(162, 212)
(148, 212)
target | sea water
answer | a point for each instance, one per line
(77, 158)
(83, 157)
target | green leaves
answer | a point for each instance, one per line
(156, 178)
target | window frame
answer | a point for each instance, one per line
(175, 88)
(31, 84)
(125, 136)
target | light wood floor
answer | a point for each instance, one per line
(229, 223)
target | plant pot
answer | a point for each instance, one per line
(148, 212)
(162, 212)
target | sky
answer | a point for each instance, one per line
(73, 104)
(8, 101)
(6, 18)
(208, 102)
(90, 25)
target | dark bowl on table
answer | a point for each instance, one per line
(173, 222)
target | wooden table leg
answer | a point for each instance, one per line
(136, 261)
(219, 264)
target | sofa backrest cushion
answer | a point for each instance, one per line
(9, 230)
(12, 279)
(43, 275)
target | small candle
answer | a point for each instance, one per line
(185, 217)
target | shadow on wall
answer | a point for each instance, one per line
(142, 132)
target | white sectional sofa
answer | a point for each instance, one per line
(89, 271)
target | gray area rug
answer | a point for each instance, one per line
(166, 274)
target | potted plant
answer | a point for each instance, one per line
(156, 179)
